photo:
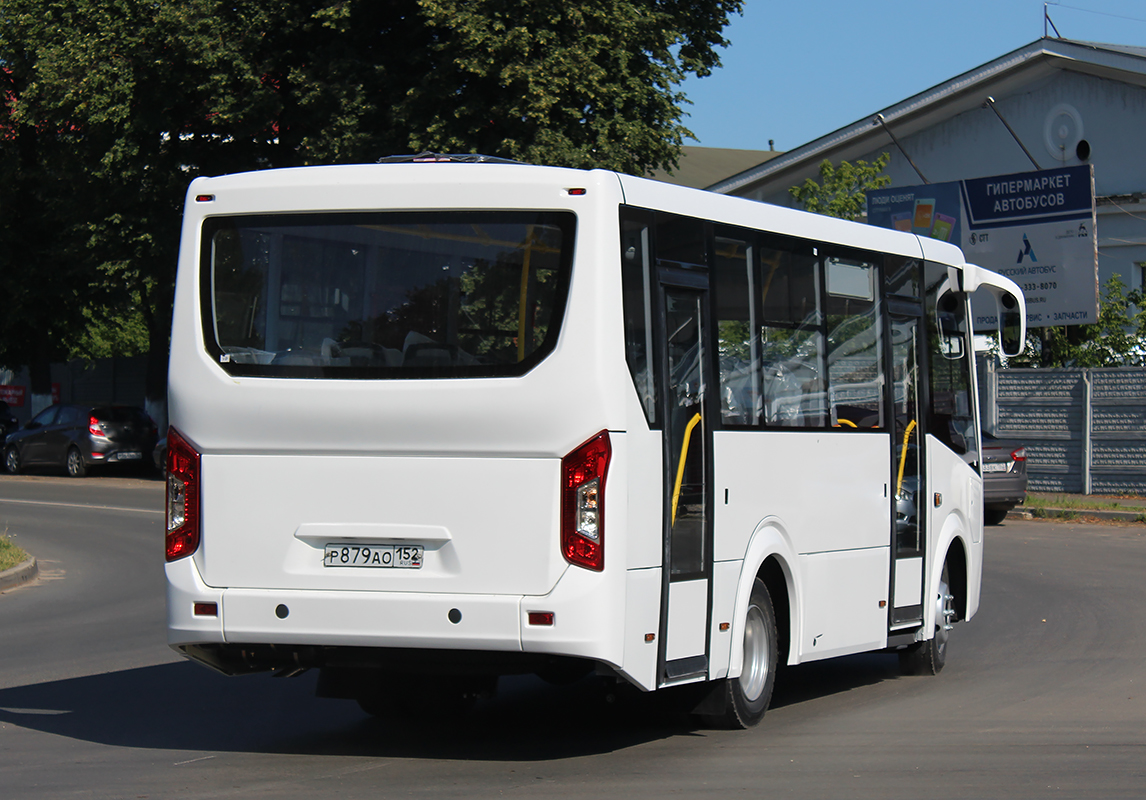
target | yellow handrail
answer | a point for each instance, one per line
(903, 455)
(692, 423)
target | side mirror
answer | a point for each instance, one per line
(1010, 325)
(1012, 318)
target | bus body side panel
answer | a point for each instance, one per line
(842, 611)
(725, 578)
(809, 481)
(645, 521)
(840, 517)
(961, 489)
(642, 618)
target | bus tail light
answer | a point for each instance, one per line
(583, 503)
(183, 512)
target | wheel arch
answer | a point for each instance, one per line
(770, 558)
(776, 580)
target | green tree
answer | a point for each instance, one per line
(144, 96)
(840, 190)
(42, 258)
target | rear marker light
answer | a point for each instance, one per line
(183, 507)
(540, 617)
(206, 609)
(583, 474)
(204, 198)
(577, 192)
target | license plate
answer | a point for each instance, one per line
(379, 556)
(129, 455)
(1004, 467)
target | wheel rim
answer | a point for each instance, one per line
(944, 604)
(754, 675)
(12, 459)
(75, 464)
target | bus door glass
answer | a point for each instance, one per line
(905, 316)
(687, 434)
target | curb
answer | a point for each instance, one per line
(1081, 513)
(18, 575)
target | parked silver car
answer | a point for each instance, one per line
(78, 437)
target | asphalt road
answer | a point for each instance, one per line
(1043, 694)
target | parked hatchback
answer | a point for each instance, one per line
(78, 437)
(1004, 477)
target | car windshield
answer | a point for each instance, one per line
(385, 295)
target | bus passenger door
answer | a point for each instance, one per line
(683, 653)
(909, 495)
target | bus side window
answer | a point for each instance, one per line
(738, 347)
(791, 339)
(855, 344)
(680, 241)
(637, 302)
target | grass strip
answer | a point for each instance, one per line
(10, 555)
(1057, 501)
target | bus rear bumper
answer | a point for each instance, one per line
(266, 629)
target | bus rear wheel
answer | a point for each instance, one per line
(742, 701)
(928, 657)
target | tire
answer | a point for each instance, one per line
(742, 701)
(74, 463)
(928, 658)
(993, 516)
(12, 460)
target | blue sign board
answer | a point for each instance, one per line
(1037, 228)
(1029, 197)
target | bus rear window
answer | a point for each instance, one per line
(377, 295)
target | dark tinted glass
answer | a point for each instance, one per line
(375, 295)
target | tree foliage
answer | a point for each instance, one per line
(840, 191)
(123, 102)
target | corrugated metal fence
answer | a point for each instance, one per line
(1085, 429)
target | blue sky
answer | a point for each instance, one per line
(798, 69)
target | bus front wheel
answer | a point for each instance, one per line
(741, 702)
(928, 657)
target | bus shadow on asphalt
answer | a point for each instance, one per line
(181, 706)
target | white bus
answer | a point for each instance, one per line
(435, 423)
